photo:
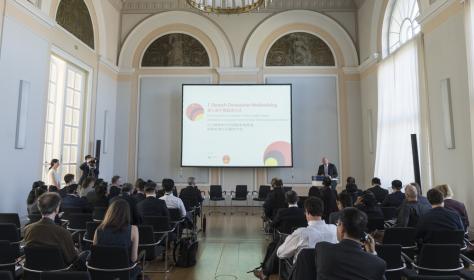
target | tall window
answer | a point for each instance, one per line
(64, 115)
(398, 94)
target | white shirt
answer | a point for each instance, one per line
(308, 237)
(53, 178)
(174, 202)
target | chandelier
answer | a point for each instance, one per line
(227, 6)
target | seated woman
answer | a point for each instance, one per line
(454, 205)
(115, 230)
(352, 189)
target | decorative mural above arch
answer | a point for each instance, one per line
(300, 49)
(74, 16)
(176, 50)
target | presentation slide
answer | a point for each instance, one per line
(236, 126)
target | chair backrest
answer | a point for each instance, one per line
(69, 275)
(9, 232)
(69, 211)
(374, 224)
(44, 258)
(6, 275)
(10, 218)
(107, 257)
(99, 213)
(430, 256)
(288, 226)
(90, 230)
(215, 191)
(432, 277)
(241, 191)
(263, 191)
(391, 254)
(175, 214)
(305, 268)
(78, 221)
(159, 223)
(404, 236)
(146, 238)
(447, 237)
(8, 255)
(389, 213)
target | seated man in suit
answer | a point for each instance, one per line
(139, 192)
(191, 195)
(172, 202)
(396, 198)
(411, 209)
(275, 199)
(68, 180)
(347, 259)
(152, 206)
(368, 204)
(438, 218)
(422, 199)
(72, 199)
(316, 231)
(379, 192)
(126, 195)
(288, 219)
(327, 169)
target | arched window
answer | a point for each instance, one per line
(175, 49)
(300, 49)
(74, 16)
(402, 24)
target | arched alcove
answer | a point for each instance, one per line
(74, 16)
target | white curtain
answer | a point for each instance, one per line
(398, 114)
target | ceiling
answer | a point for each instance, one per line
(153, 6)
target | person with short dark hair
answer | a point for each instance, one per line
(305, 237)
(436, 219)
(379, 192)
(275, 199)
(72, 199)
(172, 202)
(68, 180)
(347, 259)
(46, 233)
(352, 189)
(287, 219)
(115, 186)
(88, 168)
(152, 206)
(328, 195)
(396, 198)
(139, 192)
(344, 200)
(126, 195)
(368, 204)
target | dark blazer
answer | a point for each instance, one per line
(97, 201)
(152, 206)
(347, 260)
(139, 197)
(329, 197)
(132, 203)
(379, 192)
(332, 170)
(275, 200)
(74, 201)
(437, 219)
(191, 197)
(410, 213)
(373, 212)
(287, 219)
(394, 199)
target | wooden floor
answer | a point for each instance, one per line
(231, 246)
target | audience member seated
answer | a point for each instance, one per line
(86, 187)
(347, 259)
(368, 204)
(316, 231)
(329, 198)
(436, 219)
(411, 209)
(352, 189)
(396, 198)
(344, 200)
(379, 192)
(139, 192)
(53, 189)
(68, 180)
(152, 206)
(287, 219)
(46, 233)
(422, 199)
(315, 192)
(32, 205)
(172, 202)
(32, 195)
(98, 198)
(454, 205)
(126, 195)
(115, 186)
(191, 195)
(72, 200)
(115, 230)
(275, 199)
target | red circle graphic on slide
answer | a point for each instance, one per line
(195, 112)
(277, 154)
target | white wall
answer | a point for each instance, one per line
(21, 61)
(122, 119)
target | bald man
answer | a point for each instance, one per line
(411, 209)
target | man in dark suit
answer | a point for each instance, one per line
(327, 169)
(191, 195)
(396, 198)
(347, 259)
(132, 203)
(152, 206)
(275, 199)
(379, 192)
(288, 219)
(436, 219)
(139, 194)
(72, 200)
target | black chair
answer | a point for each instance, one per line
(98, 213)
(10, 218)
(392, 255)
(161, 229)
(448, 237)
(88, 237)
(240, 194)
(70, 275)
(389, 213)
(288, 226)
(33, 218)
(40, 259)
(9, 232)
(149, 244)
(6, 275)
(262, 194)
(404, 236)
(216, 194)
(108, 262)
(375, 224)
(303, 269)
(66, 212)
(430, 262)
(8, 257)
(78, 221)
(177, 220)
